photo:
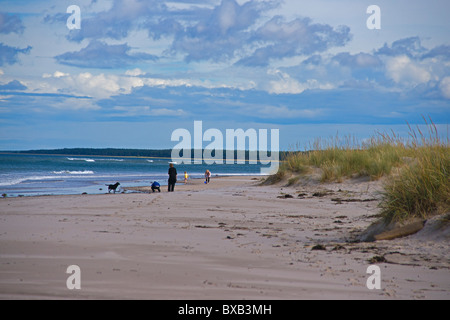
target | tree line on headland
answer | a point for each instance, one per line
(114, 152)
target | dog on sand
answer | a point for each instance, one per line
(113, 187)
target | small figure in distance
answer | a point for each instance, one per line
(172, 177)
(207, 176)
(113, 187)
(156, 186)
(186, 176)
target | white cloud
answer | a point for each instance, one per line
(4, 98)
(104, 85)
(445, 87)
(97, 86)
(59, 74)
(146, 111)
(86, 84)
(287, 85)
(56, 74)
(227, 16)
(402, 70)
(284, 83)
(135, 72)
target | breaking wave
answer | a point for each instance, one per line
(73, 172)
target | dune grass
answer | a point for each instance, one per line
(422, 187)
(418, 169)
(344, 159)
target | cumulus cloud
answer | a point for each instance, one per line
(220, 32)
(314, 60)
(410, 47)
(101, 85)
(445, 87)
(402, 69)
(123, 17)
(135, 72)
(442, 51)
(56, 74)
(14, 85)
(360, 60)
(9, 55)
(10, 23)
(300, 36)
(87, 84)
(101, 55)
(411, 66)
(285, 84)
(226, 31)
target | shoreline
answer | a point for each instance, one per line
(138, 189)
(230, 239)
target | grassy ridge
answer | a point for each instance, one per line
(338, 160)
(419, 169)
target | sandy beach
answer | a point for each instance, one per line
(231, 239)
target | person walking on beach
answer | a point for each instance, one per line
(172, 177)
(207, 176)
(186, 176)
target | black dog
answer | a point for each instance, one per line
(112, 187)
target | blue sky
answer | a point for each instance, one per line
(138, 70)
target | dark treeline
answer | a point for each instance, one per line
(110, 152)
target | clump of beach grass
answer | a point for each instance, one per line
(339, 159)
(422, 187)
(418, 169)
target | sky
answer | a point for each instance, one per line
(137, 70)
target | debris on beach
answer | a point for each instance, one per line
(285, 196)
(318, 247)
(402, 231)
(377, 259)
(382, 230)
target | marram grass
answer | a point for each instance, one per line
(418, 169)
(422, 187)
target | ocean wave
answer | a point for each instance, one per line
(11, 182)
(16, 181)
(81, 159)
(94, 160)
(65, 174)
(74, 172)
(118, 160)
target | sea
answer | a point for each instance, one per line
(36, 175)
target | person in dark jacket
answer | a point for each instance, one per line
(172, 177)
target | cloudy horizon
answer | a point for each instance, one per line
(137, 70)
